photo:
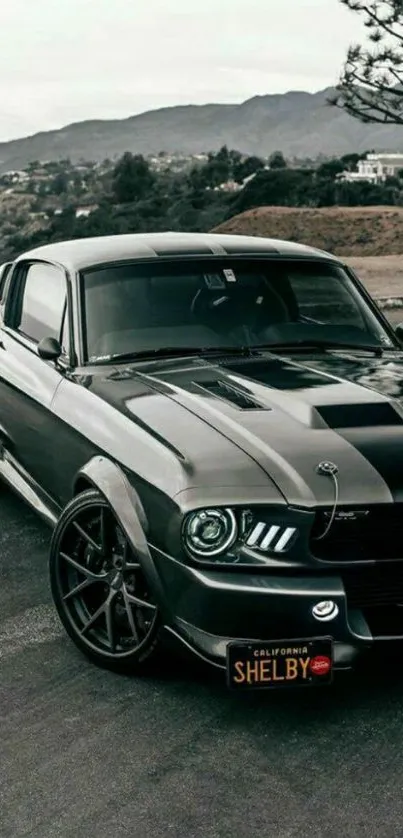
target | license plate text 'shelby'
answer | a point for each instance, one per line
(290, 663)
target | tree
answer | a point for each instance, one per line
(219, 167)
(370, 87)
(132, 178)
(60, 184)
(246, 167)
(277, 160)
(276, 187)
(330, 169)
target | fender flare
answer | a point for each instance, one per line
(109, 479)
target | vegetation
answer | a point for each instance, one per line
(55, 201)
(371, 82)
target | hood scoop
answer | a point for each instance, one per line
(228, 393)
(364, 415)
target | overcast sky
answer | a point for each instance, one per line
(63, 61)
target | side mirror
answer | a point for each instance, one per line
(49, 349)
(399, 332)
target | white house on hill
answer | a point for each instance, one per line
(375, 168)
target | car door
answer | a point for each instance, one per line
(35, 307)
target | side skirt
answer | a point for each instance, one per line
(22, 484)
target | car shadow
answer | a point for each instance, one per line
(377, 682)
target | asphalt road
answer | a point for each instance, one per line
(88, 754)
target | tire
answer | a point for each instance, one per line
(99, 590)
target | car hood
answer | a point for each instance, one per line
(291, 413)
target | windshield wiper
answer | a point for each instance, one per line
(174, 352)
(242, 351)
(306, 344)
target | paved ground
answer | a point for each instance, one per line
(87, 754)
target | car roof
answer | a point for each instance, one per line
(78, 254)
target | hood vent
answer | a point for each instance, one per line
(359, 415)
(228, 393)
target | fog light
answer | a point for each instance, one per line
(325, 610)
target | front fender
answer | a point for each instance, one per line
(112, 483)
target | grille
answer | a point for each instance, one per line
(374, 587)
(360, 534)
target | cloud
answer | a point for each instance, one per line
(87, 59)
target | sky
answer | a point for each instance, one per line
(64, 61)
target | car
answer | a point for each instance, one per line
(212, 425)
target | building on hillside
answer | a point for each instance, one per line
(12, 177)
(84, 212)
(375, 168)
(38, 216)
(228, 186)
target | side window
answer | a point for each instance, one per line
(4, 273)
(65, 335)
(43, 302)
(325, 299)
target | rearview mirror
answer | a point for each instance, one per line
(49, 349)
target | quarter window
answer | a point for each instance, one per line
(43, 302)
(4, 273)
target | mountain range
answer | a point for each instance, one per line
(298, 123)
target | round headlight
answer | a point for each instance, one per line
(209, 532)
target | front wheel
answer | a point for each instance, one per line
(99, 589)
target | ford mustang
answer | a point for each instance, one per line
(213, 427)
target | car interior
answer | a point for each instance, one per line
(128, 314)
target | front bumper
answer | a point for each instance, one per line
(207, 609)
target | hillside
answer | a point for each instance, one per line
(300, 124)
(347, 231)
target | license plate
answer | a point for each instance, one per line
(280, 663)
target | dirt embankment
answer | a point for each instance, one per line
(347, 231)
(369, 238)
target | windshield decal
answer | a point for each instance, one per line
(229, 275)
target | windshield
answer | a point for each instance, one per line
(222, 303)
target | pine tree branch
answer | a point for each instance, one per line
(370, 87)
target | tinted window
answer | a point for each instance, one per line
(325, 298)
(4, 273)
(43, 302)
(220, 302)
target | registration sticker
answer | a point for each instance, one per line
(229, 275)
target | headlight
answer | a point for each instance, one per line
(209, 532)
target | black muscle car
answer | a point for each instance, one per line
(213, 426)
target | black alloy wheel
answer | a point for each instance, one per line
(99, 589)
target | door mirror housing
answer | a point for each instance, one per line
(49, 349)
(399, 332)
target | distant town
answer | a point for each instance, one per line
(57, 199)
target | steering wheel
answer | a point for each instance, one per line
(213, 309)
(204, 302)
